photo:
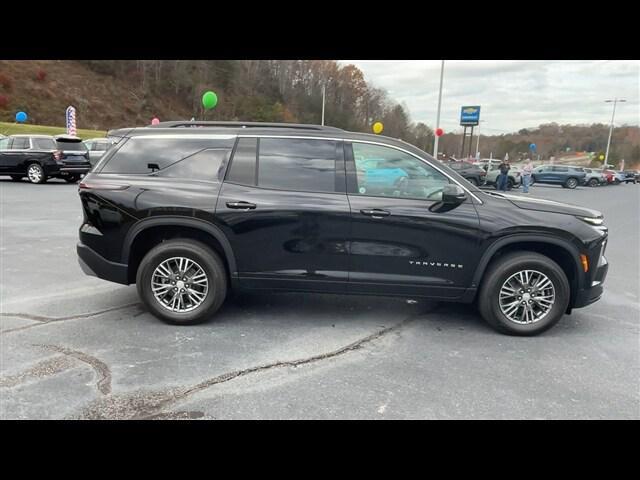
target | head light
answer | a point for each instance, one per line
(596, 221)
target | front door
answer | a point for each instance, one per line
(403, 240)
(284, 208)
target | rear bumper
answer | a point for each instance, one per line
(95, 265)
(593, 293)
(65, 170)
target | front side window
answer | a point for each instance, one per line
(387, 172)
(299, 164)
(560, 169)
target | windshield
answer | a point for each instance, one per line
(71, 146)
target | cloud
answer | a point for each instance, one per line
(514, 94)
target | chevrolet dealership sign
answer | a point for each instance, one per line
(470, 116)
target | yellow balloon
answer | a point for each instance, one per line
(378, 127)
(601, 157)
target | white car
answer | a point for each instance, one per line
(97, 147)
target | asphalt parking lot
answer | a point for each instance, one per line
(75, 347)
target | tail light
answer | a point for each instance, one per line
(57, 155)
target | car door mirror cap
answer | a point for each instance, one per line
(453, 194)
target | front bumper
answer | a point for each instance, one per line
(593, 293)
(95, 265)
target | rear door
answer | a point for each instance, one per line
(5, 144)
(284, 209)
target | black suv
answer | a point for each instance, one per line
(40, 157)
(472, 173)
(189, 214)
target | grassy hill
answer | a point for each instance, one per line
(16, 128)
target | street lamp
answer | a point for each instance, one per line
(435, 143)
(324, 88)
(478, 140)
(606, 155)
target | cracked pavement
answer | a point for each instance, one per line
(76, 347)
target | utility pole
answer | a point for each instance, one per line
(435, 143)
(606, 155)
(324, 87)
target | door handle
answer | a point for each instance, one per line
(375, 213)
(241, 205)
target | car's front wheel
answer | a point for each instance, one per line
(593, 182)
(473, 181)
(182, 282)
(71, 179)
(35, 173)
(523, 293)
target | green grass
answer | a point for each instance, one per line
(17, 128)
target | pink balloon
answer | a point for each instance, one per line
(155, 121)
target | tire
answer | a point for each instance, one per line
(473, 181)
(571, 183)
(502, 270)
(35, 173)
(616, 181)
(593, 182)
(16, 178)
(510, 184)
(205, 259)
(71, 179)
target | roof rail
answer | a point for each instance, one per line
(197, 123)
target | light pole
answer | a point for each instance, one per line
(478, 140)
(324, 87)
(606, 155)
(435, 143)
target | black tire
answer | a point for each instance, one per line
(510, 184)
(473, 181)
(616, 181)
(571, 183)
(203, 256)
(72, 179)
(498, 273)
(593, 182)
(40, 178)
(16, 178)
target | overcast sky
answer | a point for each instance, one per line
(512, 94)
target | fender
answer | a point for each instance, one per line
(525, 237)
(169, 220)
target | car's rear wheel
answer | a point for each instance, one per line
(71, 179)
(473, 181)
(571, 183)
(35, 173)
(510, 183)
(16, 178)
(523, 293)
(593, 182)
(182, 282)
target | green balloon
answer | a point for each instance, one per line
(209, 100)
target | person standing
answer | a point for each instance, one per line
(503, 177)
(526, 175)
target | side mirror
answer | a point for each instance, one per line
(453, 194)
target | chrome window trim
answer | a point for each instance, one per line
(382, 144)
(191, 136)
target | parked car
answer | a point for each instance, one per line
(469, 171)
(294, 208)
(96, 148)
(594, 177)
(632, 176)
(614, 177)
(514, 177)
(565, 175)
(40, 157)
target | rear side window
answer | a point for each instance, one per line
(138, 152)
(297, 164)
(204, 165)
(243, 165)
(20, 143)
(44, 143)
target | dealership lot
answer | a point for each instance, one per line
(74, 346)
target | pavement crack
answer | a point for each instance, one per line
(45, 368)
(46, 320)
(142, 405)
(101, 368)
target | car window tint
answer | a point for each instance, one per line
(204, 165)
(243, 163)
(44, 143)
(138, 152)
(297, 164)
(71, 146)
(388, 172)
(20, 143)
(4, 143)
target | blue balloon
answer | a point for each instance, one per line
(533, 147)
(21, 117)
